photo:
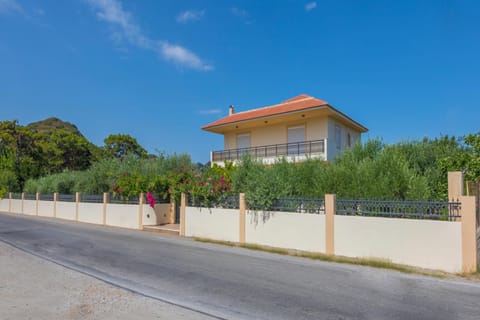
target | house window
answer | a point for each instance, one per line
(349, 140)
(296, 137)
(338, 137)
(243, 143)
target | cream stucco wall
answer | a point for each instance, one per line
(30, 207)
(16, 206)
(120, 215)
(158, 215)
(90, 212)
(4, 205)
(286, 230)
(421, 243)
(66, 210)
(315, 129)
(217, 224)
(45, 208)
(333, 151)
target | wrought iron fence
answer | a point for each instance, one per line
(272, 151)
(287, 204)
(66, 197)
(123, 200)
(30, 196)
(91, 198)
(16, 196)
(45, 197)
(432, 210)
(157, 199)
(226, 202)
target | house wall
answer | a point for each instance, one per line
(315, 129)
(423, 243)
(286, 230)
(218, 224)
(332, 150)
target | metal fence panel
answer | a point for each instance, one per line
(432, 210)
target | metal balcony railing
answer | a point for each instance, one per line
(305, 148)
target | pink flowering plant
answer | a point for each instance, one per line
(210, 186)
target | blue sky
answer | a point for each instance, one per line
(160, 70)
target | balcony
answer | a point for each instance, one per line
(292, 152)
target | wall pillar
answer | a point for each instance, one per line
(105, 201)
(242, 210)
(77, 202)
(141, 200)
(330, 209)
(55, 198)
(23, 202)
(183, 207)
(455, 185)
(37, 198)
(469, 234)
(10, 202)
(171, 218)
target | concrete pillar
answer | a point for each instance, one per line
(105, 202)
(469, 234)
(455, 185)
(37, 198)
(172, 210)
(10, 202)
(243, 213)
(330, 208)
(23, 202)
(183, 207)
(141, 200)
(77, 202)
(55, 198)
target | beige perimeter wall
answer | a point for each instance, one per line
(217, 224)
(90, 212)
(158, 215)
(45, 208)
(66, 210)
(286, 230)
(16, 206)
(4, 205)
(30, 207)
(422, 243)
(120, 215)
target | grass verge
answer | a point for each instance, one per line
(370, 262)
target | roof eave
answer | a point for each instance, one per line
(208, 126)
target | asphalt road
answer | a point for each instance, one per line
(235, 283)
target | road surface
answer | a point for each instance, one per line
(234, 283)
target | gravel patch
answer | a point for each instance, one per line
(33, 288)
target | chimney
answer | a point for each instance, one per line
(231, 110)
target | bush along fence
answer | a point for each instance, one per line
(438, 235)
(104, 209)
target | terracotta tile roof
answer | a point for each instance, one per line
(297, 103)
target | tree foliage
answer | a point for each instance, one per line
(122, 145)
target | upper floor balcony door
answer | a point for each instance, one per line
(295, 136)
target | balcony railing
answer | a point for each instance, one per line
(314, 148)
